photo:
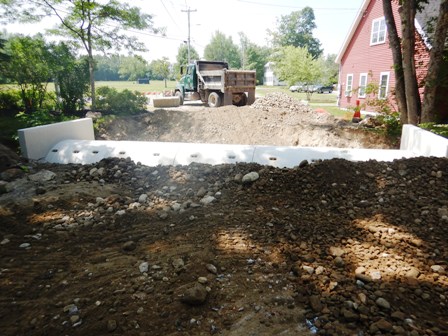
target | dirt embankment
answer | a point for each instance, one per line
(117, 248)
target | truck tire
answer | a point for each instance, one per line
(214, 99)
(181, 97)
(239, 99)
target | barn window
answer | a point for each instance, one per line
(384, 85)
(362, 85)
(349, 85)
(378, 31)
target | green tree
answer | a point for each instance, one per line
(253, 57)
(71, 78)
(133, 67)
(182, 57)
(295, 64)
(107, 67)
(403, 52)
(330, 69)
(161, 68)
(29, 67)
(296, 29)
(92, 24)
(222, 48)
(182, 54)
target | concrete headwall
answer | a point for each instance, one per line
(422, 142)
(36, 142)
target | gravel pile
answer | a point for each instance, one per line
(333, 247)
(280, 100)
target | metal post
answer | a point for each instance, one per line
(188, 11)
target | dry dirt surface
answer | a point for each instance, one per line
(276, 119)
(330, 248)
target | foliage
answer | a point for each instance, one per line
(293, 64)
(42, 117)
(182, 58)
(330, 70)
(222, 48)
(439, 129)
(29, 67)
(10, 100)
(253, 57)
(92, 24)
(107, 68)
(391, 123)
(133, 68)
(71, 78)
(121, 103)
(296, 29)
(182, 54)
(380, 105)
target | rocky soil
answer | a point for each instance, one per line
(117, 248)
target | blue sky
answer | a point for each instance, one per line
(253, 17)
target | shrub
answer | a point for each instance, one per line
(10, 100)
(121, 103)
(439, 129)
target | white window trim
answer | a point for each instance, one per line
(348, 89)
(361, 75)
(387, 73)
(378, 32)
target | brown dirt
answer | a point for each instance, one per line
(333, 247)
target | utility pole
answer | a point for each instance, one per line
(188, 11)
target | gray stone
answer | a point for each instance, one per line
(250, 177)
(194, 296)
(179, 265)
(339, 262)
(212, 268)
(42, 176)
(143, 267)
(207, 200)
(383, 303)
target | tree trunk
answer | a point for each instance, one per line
(92, 81)
(407, 13)
(395, 46)
(429, 113)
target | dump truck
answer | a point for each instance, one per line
(213, 83)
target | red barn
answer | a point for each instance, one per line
(366, 57)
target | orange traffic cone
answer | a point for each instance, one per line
(357, 115)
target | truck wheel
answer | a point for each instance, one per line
(181, 98)
(214, 100)
(239, 99)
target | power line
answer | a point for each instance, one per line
(168, 12)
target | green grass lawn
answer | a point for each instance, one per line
(153, 86)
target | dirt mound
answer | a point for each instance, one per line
(276, 120)
(334, 247)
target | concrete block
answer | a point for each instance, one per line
(166, 102)
(36, 142)
(422, 142)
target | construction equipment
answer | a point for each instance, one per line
(213, 83)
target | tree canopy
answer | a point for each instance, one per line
(295, 64)
(253, 57)
(222, 48)
(92, 24)
(296, 29)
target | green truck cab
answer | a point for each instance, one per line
(213, 83)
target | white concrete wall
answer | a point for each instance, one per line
(422, 142)
(36, 142)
